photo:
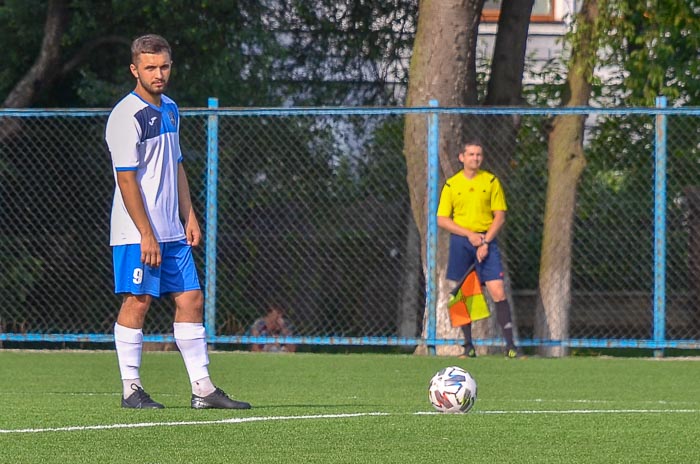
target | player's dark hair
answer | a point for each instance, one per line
(149, 43)
(474, 142)
(277, 308)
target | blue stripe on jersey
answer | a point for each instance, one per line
(128, 168)
(149, 121)
(156, 121)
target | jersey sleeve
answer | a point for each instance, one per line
(123, 135)
(177, 133)
(498, 197)
(445, 205)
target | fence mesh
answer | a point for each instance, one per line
(314, 216)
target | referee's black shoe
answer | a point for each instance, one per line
(217, 400)
(469, 351)
(513, 352)
(140, 400)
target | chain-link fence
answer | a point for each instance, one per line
(313, 214)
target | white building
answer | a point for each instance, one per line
(549, 22)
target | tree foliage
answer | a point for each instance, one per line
(655, 43)
(326, 52)
(246, 52)
(276, 173)
(639, 53)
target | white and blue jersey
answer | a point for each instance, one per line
(145, 138)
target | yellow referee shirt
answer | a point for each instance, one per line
(471, 202)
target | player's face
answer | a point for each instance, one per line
(152, 72)
(274, 321)
(471, 157)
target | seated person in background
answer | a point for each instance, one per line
(273, 324)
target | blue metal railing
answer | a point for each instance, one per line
(659, 342)
(660, 227)
(212, 208)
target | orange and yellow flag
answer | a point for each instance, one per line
(467, 303)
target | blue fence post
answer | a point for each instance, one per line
(211, 221)
(431, 230)
(660, 229)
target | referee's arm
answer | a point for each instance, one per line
(499, 219)
(449, 225)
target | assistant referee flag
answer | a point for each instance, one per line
(467, 302)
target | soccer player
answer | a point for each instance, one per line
(272, 324)
(153, 229)
(473, 209)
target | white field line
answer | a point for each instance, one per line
(598, 411)
(580, 411)
(238, 420)
(332, 416)
(583, 401)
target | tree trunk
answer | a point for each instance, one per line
(566, 161)
(410, 283)
(47, 65)
(443, 67)
(43, 71)
(504, 89)
(505, 85)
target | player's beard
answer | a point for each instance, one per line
(152, 89)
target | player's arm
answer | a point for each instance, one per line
(499, 219)
(255, 333)
(451, 226)
(131, 194)
(287, 331)
(192, 230)
(498, 211)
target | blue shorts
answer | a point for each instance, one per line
(177, 272)
(463, 255)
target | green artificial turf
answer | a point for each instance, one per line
(63, 406)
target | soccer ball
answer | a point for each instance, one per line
(452, 390)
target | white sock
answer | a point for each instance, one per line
(190, 338)
(203, 387)
(127, 387)
(129, 343)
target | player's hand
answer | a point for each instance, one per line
(150, 251)
(476, 239)
(193, 233)
(482, 252)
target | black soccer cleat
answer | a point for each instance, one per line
(217, 400)
(469, 352)
(140, 400)
(513, 352)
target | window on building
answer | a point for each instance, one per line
(542, 11)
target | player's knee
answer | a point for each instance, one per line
(197, 301)
(136, 303)
(190, 303)
(496, 290)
